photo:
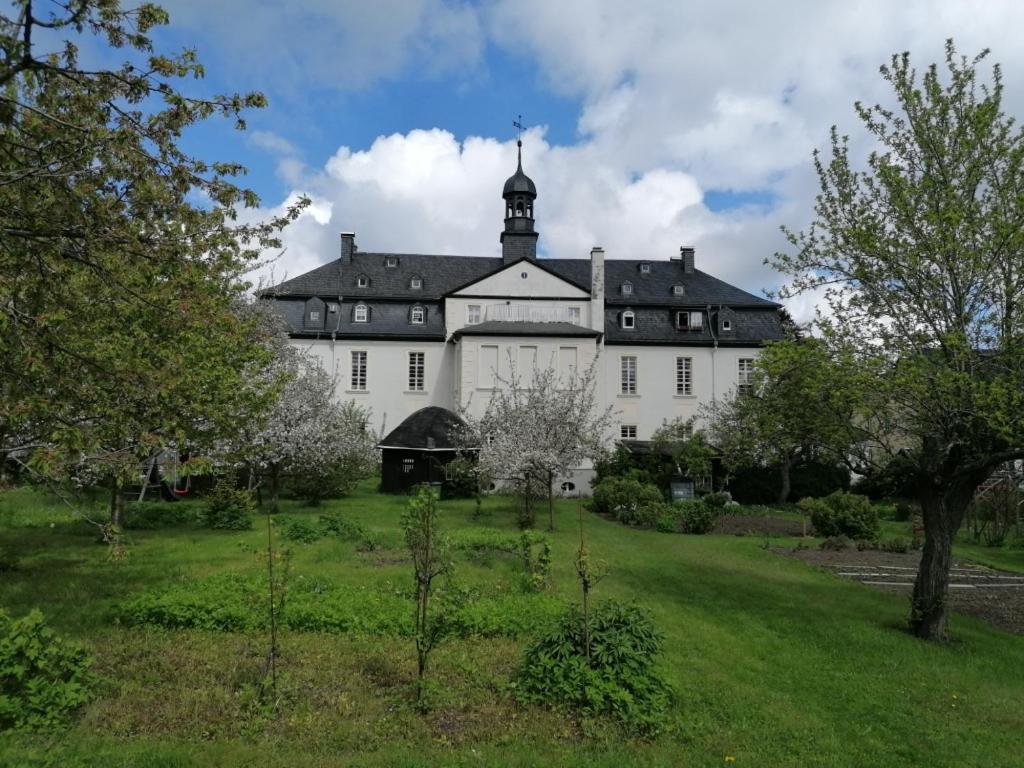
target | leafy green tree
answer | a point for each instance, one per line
(920, 256)
(122, 258)
(799, 407)
(688, 448)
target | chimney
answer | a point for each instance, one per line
(597, 288)
(348, 246)
(687, 254)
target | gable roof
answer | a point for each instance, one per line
(545, 265)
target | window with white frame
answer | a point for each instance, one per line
(390, 262)
(628, 320)
(645, 269)
(416, 283)
(574, 315)
(689, 321)
(362, 281)
(684, 375)
(678, 290)
(628, 375)
(417, 315)
(361, 314)
(727, 325)
(314, 315)
(358, 371)
(745, 375)
(332, 308)
(627, 289)
(627, 431)
(416, 371)
(472, 314)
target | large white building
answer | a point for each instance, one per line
(401, 332)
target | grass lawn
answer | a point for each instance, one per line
(774, 663)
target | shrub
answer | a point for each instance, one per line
(43, 678)
(617, 678)
(314, 487)
(228, 508)
(696, 516)
(8, 559)
(370, 542)
(650, 512)
(836, 543)
(301, 531)
(150, 515)
(336, 525)
(897, 544)
(844, 514)
(623, 498)
(717, 500)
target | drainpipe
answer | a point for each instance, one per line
(714, 348)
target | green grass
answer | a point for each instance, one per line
(775, 663)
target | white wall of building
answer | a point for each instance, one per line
(524, 279)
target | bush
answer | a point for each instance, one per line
(228, 508)
(43, 678)
(623, 499)
(618, 678)
(696, 516)
(841, 513)
(836, 543)
(8, 559)
(336, 525)
(370, 542)
(717, 500)
(897, 544)
(301, 531)
(150, 515)
(650, 512)
(312, 488)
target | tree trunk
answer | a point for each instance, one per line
(551, 501)
(116, 504)
(784, 469)
(942, 510)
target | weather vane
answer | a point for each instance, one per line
(519, 124)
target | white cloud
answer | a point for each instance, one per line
(677, 98)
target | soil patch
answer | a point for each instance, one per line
(985, 593)
(756, 525)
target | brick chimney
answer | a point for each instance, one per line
(597, 288)
(348, 246)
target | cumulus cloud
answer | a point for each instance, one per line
(677, 99)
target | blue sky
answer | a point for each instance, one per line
(651, 125)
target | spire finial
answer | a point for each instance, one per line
(519, 139)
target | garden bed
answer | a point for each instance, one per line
(985, 593)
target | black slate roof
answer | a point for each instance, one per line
(389, 295)
(428, 428)
(524, 328)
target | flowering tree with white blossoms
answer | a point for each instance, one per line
(322, 445)
(535, 431)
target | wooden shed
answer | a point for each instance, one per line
(418, 449)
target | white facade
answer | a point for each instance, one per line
(459, 372)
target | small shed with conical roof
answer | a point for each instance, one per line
(418, 450)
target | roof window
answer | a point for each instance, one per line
(390, 262)
(627, 289)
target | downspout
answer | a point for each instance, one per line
(714, 348)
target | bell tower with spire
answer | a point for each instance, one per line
(519, 240)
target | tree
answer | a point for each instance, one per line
(920, 256)
(118, 329)
(430, 559)
(688, 448)
(322, 445)
(800, 406)
(535, 432)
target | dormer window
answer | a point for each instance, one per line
(417, 315)
(627, 289)
(416, 283)
(390, 262)
(362, 281)
(689, 321)
(628, 320)
(645, 268)
(332, 308)
(361, 314)
(678, 290)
